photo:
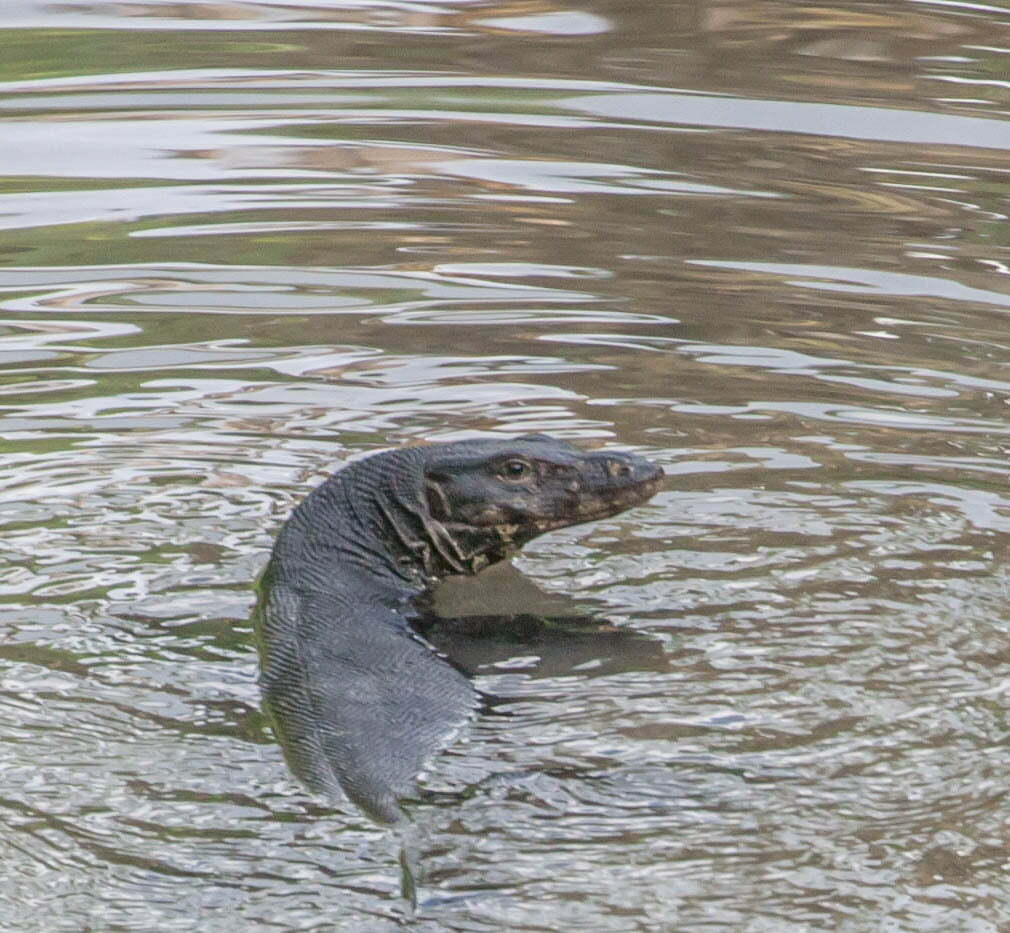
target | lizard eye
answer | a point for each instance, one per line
(515, 469)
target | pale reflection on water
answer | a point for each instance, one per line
(766, 244)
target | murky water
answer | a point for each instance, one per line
(764, 243)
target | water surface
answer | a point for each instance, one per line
(762, 243)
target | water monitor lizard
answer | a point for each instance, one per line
(358, 698)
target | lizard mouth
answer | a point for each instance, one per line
(610, 501)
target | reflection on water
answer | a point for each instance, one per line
(242, 242)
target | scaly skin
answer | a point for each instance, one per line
(359, 700)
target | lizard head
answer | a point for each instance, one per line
(492, 496)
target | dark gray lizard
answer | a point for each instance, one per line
(360, 701)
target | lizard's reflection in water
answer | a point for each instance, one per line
(483, 621)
